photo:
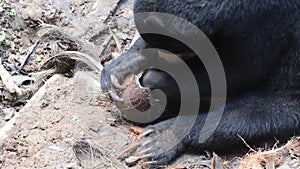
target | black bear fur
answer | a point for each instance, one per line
(258, 42)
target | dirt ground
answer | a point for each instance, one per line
(56, 116)
(61, 113)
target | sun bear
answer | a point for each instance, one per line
(259, 45)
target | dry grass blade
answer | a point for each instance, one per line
(66, 61)
(69, 43)
(91, 156)
(273, 158)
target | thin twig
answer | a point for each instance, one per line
(116, 40)
(30, 52)
(105, 44)
(246, 143)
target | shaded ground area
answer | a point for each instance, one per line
(65, 121)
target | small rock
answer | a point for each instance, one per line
(39, 51)
(56, 107)
(71, 166)
(95, 128)
(2, 114)
(132, 160)
(56, 148)
(9, 113)
(34, 126)
(18, 23)
(12, 58)
(66, 140)
(122, 36)
(43, 126)
(22, 80)
(33, 14)
(284, 166)
(45, 103)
